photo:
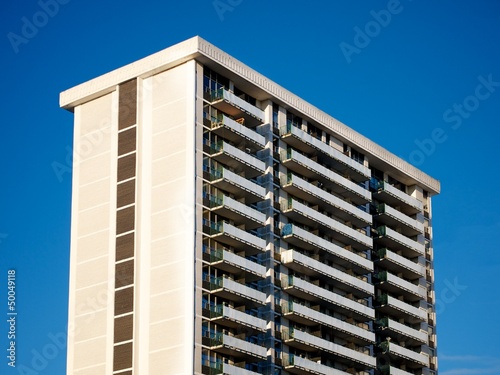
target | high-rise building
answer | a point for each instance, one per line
(223, 225)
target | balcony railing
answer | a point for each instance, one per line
(336, 182)
(232, 207)
(328, 346)
(229, 314)
(235, 345)
(313, 266)
(233, 236)
(401, 264)
(291, 309)
(300, 365)
(397, 305)
(223, 284)
(237, 158)
(391, 370)
(234, 262)
(234, 131)
(396, 196)
(307, 191)
(302, 136)
(393, 216)
(401, 284)
(310, 241)
(398, 328)
(347, 234)
(311, 292)
(237, 102)
(234, 183)
(402, 240)
(399, 351)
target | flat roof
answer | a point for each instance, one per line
(199, 49)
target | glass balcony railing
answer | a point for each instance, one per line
(311, 169)
(310, 241)
(289, 130)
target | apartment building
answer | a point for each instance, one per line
(223, 225)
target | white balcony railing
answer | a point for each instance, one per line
(405, 353)
(243, 236)
(404, 262)
(405, 285)
(292, 256)
(242, 183)
(327, 149)
(240, 156)
(327, 197)
(234, 370)
(401, 217)
(244, 346)
(403, 240)
(407, 331)
(402, 196)
(328, 246)
(244, 318)
(244, 263)
(407, 308)
(311, 366)
(239, 103)
(241, 130)
(243, 290)
(243, 209)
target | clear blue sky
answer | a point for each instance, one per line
(428, 75)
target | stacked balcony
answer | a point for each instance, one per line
(228, 234)
(236, 107)
(303, 366)
(398, 353)
(227, 261)
(227, 316)
(235, 346)
(396, 241)
(385, 192)
(391, 328)
(236, 132)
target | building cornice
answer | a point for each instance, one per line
(195, 47)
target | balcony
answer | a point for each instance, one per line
(231, 182)
(234, 291)
(400, 309)
(397, 352)
(395, 329)
(230, 235)
(238, 212)
(395, 197)
(309, 317)
(297, 287)
(306, 167)
(234, 370)
(299, 139)
(311, 267)
(236, 132)
(391, 370)
(399, 264)
(396, 241)
(233, 318)
(238, 160)
(309, 241)
(390, 216)
(329, 202)
(397, 285)
(230, 262)
(303, 366)
(306, 341)
(234, 106)
(234, 346)
(308, 216)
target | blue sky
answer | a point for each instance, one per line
(422, 78)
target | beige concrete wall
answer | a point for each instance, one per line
(166, 236)
(93, 231)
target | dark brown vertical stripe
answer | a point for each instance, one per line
(124, 328)
(126, 167)
(125, 194)
(122, 358)
(125, 220)
(124, 273)
(124, 300)
(127, 106)
(126, 141)
(125, 247)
